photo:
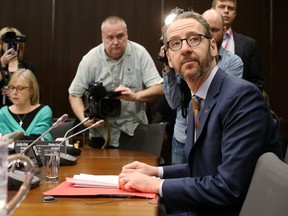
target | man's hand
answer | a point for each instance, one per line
(126, 93)
(140, 167)
(139, 182)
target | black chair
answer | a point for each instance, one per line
(60, 131)
(286, 156)
(147, 138)
(268, 191)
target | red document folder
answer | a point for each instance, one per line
(68, 189)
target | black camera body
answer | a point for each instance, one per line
(12, 39)
(102, 103)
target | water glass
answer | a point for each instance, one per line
(51, 165)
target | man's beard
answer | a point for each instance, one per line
(202, 70)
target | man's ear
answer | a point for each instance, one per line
(213, 47)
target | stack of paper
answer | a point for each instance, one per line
(98, 181)
(93, 185)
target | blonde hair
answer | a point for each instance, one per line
(21, 44)
(28, 76)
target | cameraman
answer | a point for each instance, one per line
(123, 66)
(12, 44)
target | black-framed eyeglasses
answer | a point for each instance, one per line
(192, 40)
(17, 88)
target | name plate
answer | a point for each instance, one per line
(40, 146)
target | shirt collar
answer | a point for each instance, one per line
(202, 91)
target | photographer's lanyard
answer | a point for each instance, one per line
(118, 81)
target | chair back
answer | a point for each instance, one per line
(268, 191)
(147, 138)
(286, 156)
(61, 130)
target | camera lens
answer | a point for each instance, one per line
(110, 107)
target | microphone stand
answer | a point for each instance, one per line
(56, 124)
(67, 132)
(16, 177)
(66, 138)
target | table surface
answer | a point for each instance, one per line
(97, 162)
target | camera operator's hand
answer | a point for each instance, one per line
(126, 93)
(7, 57)
(92, 121)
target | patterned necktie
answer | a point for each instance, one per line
(226, 36)
(196, 101)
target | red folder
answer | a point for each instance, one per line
(68, 189)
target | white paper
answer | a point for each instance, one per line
(101, 181)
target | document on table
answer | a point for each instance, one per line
(106, 185)
(100, 181)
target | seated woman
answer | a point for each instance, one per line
(26, 113)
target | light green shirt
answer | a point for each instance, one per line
(135, 70)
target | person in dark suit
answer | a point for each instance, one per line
(234, 129)
(243, 46)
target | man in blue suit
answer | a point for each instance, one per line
(235, 128)
(239, 44)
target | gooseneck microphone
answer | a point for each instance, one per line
(82, 122)
(87, 128)
(17, 177)
(12, 137)
(68, 131)
(59, 121)
(66, 159)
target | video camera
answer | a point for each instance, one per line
(12, 39)
(102, 103)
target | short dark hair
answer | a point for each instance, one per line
(185, 15)
(215, 1)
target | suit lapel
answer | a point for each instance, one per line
(239, 44)
(209, 103)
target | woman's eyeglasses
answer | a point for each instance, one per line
(17, 88)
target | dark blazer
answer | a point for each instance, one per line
(246, 49)
(235, 128)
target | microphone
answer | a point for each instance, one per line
(14, 136)
(95, 124)
(67, 159)
(56, 124)
(17, 177)
(10, 139)
(67, 132)
(60, 120)
(86, 119)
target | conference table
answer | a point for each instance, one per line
(96, 162)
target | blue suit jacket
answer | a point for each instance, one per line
(235, 128)
(247, 50)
